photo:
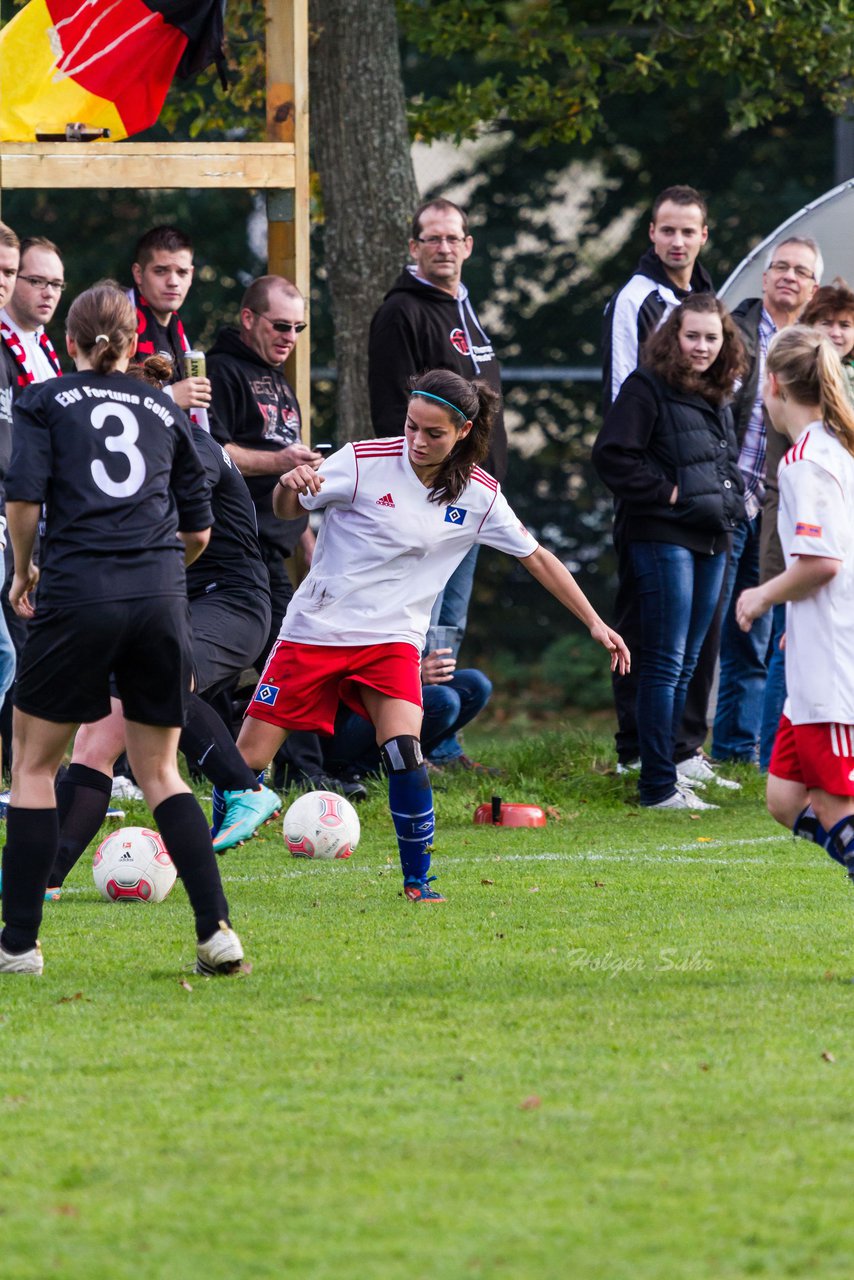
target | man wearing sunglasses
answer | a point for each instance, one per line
(257, 420)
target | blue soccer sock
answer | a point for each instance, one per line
(840, 843)
(808, 827)
(410, 799)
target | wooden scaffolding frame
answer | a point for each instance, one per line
(278, 166)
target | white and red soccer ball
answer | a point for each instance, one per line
(132, 865)
(321, 824)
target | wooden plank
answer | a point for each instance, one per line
(149, 165)
(287, 123)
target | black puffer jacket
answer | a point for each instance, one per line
(655, 437)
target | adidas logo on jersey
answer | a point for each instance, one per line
(386, 501)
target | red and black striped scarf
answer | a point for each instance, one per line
(19, 351)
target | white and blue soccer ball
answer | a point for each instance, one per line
(321, 824)
(132, 865)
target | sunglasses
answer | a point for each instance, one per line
(281, 326)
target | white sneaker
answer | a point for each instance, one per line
(27, 962)
(124, 789)
(220, 953)
(697, 770)
(682, 798)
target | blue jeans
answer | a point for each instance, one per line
(678, 591)
(447, 709)
(451, 606)
(775, 689)
(7, 658)
(744, 656)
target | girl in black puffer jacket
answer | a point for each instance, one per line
(669, 454)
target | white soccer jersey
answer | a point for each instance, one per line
(816, 518)
(384, 551)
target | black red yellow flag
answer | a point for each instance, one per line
(107, 63)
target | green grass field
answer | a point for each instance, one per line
(620, 1052)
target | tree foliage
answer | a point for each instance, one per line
(553, 68)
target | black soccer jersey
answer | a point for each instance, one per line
(232, 559)
(114, 462)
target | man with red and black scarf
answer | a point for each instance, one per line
(162, 274)
(26, 350)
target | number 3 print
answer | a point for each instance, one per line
(125, 444)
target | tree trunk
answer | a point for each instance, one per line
(362, 156)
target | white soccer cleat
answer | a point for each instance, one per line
(220, 953)
(697, 770)
(123, 789)
(682, 798)
(31, 961)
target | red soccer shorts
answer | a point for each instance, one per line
(818, 755)
(301, 684)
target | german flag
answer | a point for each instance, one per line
(106, 63)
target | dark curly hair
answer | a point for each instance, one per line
(661, 353)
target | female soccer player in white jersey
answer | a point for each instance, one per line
(811, 773)
(399, 515)
(126, 505)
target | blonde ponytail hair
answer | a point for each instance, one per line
(808, 367)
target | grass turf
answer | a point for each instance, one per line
(620, 1050)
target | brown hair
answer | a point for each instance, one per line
(474, 402)
(102, 321)
(8, 238)
(807, 365)
(662, 355)
(39, 242)
(156, 370)
(441, 205)
(679, 195)
(257, 296)
(828, 301)
(171, 239)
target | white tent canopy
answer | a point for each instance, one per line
(829, 221)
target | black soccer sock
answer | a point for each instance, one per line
(187, 836)
(209, 746)
(82, 801)
(31, 837)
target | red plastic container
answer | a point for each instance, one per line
(499, 814)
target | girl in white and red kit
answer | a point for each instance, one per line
(811, 773)
(399, 515)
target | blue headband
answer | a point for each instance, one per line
(430, 396)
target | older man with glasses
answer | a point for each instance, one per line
(792, 274)
(427, 321)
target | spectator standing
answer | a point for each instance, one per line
(257, 419)
(9, 256)
(793, 269)
(667, 450)
(427, 321)
(162, 273)
(668, 272)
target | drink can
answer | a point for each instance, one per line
(194, 364)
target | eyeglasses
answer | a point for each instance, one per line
(783, 268)
(435, 242)
(281, 326)
(39, 282)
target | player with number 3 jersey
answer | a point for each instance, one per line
(126, 504)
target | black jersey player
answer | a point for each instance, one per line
(126, 503)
